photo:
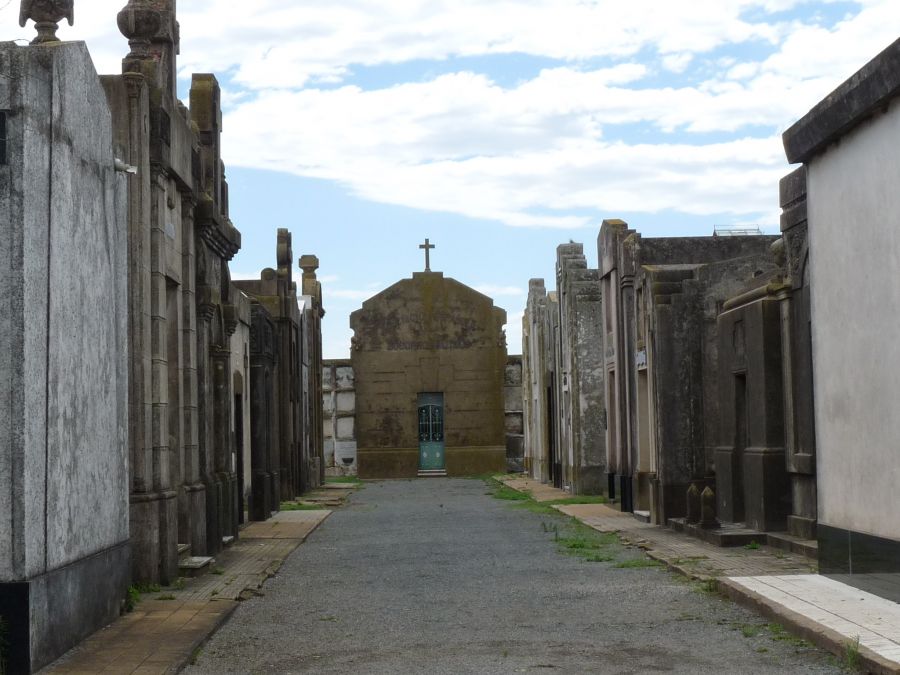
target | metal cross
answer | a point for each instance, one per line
(427, 246)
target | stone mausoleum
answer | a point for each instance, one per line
(429, 361)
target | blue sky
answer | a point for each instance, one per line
(497, 128)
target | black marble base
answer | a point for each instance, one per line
(860, 560)
(48, 615)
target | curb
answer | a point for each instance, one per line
(184, 662)
(819, 635)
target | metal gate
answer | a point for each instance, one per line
(431, 432)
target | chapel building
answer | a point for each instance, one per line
(429, 362)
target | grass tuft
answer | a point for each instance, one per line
(637, 563)
(507, 493)
(852, 660)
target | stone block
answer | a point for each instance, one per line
(344, 377)
(514, 423)
(346, 402)
(345, 428)
(766, 489)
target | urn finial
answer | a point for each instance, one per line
(46, 15)
(139, 21)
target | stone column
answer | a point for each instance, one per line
(192, 499)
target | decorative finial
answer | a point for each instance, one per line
(46, 15)
(139, 21)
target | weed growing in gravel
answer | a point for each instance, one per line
(179, 584)
(218, 570)
(637, 563)
(584, 542)
(354, 480)
(752, 546)
(748, 630)
(707, 586)
(504, 492)
(851, 656)
(779, 634)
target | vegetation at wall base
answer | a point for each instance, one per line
(295, 506)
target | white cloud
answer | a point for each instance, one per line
(275, 44)
(677, 63)
(541, 153)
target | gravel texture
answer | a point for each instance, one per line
(436, 576)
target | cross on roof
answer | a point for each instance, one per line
(427, 246)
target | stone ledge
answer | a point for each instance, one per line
(869, 89)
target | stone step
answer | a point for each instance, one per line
(792, 544)
(195, 566)
(184, 551)
(726, 535)
(432, 473)
(643, 516)
(227, 540)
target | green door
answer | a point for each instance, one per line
(431, 431)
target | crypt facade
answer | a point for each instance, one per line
(429, 361)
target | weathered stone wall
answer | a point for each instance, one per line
(848, 143)
(662, 297)
(240, 401)
(64, 553)
(429, 334)
(312, 314)
(581, 401)
(294, 367)
(339, 406)
(536, 382)
(513, 409)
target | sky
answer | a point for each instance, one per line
(498, 129)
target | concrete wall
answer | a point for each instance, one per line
(847, 143)
(854, 205)
(64, 555)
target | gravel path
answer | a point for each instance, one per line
(436, 576)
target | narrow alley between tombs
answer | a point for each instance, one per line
(439, 576)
